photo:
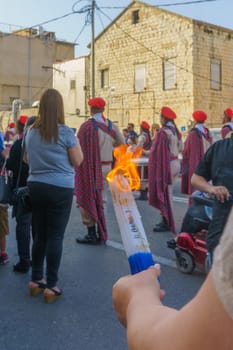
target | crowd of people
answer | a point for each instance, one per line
(45, 155)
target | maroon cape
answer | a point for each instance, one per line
(88, 176)
(192, 153)
(160, 177)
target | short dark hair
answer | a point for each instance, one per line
(131, 124)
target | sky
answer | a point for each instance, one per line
(76, 27)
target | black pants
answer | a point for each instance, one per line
(23, 236)
(216, 227)
(51, 206)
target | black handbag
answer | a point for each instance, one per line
(21, 196)
(5, 186)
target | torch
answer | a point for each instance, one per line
(124, 178)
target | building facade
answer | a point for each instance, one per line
(72, 79)
(148, 57)
(26, 64)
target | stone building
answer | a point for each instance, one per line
(149, 57)
(26, 64)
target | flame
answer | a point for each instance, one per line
(125, 168)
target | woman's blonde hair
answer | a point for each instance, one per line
(51, 113)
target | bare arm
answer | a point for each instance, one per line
(221, 192)
(75, 155)
(202, 324)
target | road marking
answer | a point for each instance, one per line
(158, 259)
(180, 199)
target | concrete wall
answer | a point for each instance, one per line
(22, 67)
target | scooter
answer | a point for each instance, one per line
(190, 244)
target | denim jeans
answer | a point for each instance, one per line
(51, 207)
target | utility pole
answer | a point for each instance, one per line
(92, 48)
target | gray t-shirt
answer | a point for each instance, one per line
(49, 162)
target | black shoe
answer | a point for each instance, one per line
(171, 243)
(89, 239)
(21, 267)
(162, 227)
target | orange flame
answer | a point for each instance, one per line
(126, 167)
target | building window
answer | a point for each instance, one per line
(72, 84)
(215, 74)
(140, 77)
(169, 74)
(104, 78)
(135, 16)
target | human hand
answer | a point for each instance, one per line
(220, 192)
(137, 286)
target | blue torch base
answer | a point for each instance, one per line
(140, 261)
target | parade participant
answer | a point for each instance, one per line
(164, 166)
(216, 165)
(195, 146)
(97, 137)
(10, 133)
(144, 138)
(144, 142)
(125, 134)
(227, 122)
(52, 151)
(23, 218)
(4, 226)
(154, 130)
(204, 323)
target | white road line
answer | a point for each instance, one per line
(180, 199)
(158, 259)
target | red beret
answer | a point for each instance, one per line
(11, 125)
(145, 125)
(96, 102)
(168, 113)
(228, 113)
(23, 119)
(199, 116)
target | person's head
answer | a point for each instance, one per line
(97, 105)
(199, 117)
(167, 114)
(145, 126)
(227, 115)
(130, 127)
(51, 113)
(11, 125)
(20, 124)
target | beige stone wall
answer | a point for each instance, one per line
(22, 70)
(159, 35)
(211, 42)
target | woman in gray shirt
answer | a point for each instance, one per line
(52, 151)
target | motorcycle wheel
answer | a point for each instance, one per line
(184, 262)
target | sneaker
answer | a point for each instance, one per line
(4, 259)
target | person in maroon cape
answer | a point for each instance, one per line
(195, 146)
(97, 137)
(227, 122)
(164, 166)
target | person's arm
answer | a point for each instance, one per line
(200, 183)
(75, 155)
(202, 324)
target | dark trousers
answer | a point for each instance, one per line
(51, 206)
(23, 234)
(216, 227)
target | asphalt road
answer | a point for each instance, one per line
(83, 319)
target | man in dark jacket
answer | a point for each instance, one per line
(217, 166)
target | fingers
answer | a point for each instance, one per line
(221, 193)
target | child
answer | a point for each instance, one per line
(4, 230)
